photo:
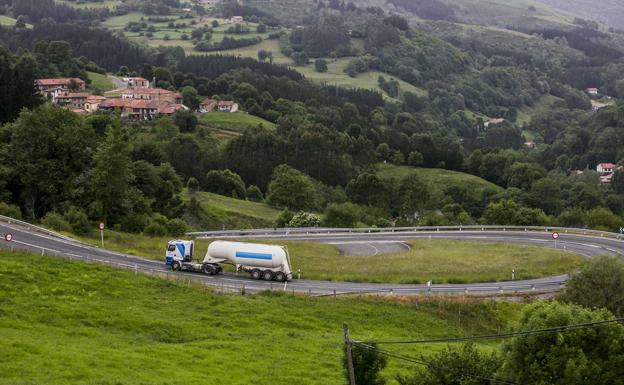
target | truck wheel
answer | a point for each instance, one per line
(208, 269)
(256, 274)
(175, 266)
(267, 275)
(280, 277)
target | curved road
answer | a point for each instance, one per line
(352, 244)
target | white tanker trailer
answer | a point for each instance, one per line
(267, 262)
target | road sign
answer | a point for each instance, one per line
(8, 237)
(101, 225)
(555, 235)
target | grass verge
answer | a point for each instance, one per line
(73, 323)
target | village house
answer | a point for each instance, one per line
(137, 82)
(74, 100)
(92, 103)
(236, 19)
(212, 105)
(47, 87)
(140, 109)
(592, 91)
(157, 94)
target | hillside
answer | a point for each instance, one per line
(136, 328)
(216, 212)
(608, 12)
(438, 179)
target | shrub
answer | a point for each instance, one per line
(342, 215)
(55, 221)
(284, 218)
(305, 219)
(177, 227)
(192, 184)
(10, 211)
(254, 194)
(600, 284)
(78, 221)
(225, 182)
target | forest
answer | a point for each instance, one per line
(324, 156)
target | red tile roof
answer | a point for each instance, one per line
(54, 82)
(607, 165)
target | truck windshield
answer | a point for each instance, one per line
(171, 248)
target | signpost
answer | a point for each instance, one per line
(555, 237)
(8, 237)
(102, 233)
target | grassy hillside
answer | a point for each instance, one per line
(526, 114)
(100, 82)
(10, 22)
(609, 12)
(438, 179)
(215, 212)
(235, 121)
(71, 323)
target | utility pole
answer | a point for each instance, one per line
(350, 369)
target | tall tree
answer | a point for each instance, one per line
(112, 175)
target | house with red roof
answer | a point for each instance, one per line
(47, 87)
(212, 105)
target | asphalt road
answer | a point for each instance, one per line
(354, 244)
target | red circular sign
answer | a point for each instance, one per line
(8, 237)
(101, 225)
(555, 235)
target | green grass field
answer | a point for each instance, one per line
(94, 4)
(100, 82)
(544, 104)
(218, 211)
(236, 121)
(73, 323)
(10, 22)
(335, 74)
(438, 179)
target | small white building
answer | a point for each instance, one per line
(592, 91)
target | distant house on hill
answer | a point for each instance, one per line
(605, 168)
(236, 19)
(592, 91)
(493, 122)
(212, 105)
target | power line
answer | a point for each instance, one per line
(503, 335)
(429, 364)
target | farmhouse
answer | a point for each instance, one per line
(140, 109)
(137, 82)
(74, 100)
(158, 94)
(92, 103)
(212, 105)
(236, 19)
(592, 91)
(47, 87)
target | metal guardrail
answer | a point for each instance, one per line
(30, 226)
(390, 230)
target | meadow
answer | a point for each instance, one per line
(237, 121)
(73, 323)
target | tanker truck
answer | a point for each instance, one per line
(267, 262)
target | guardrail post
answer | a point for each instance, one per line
(334, 293)
(309, 292)
(532, 287)
(243, 290)
(501, 290)
(42, 251)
